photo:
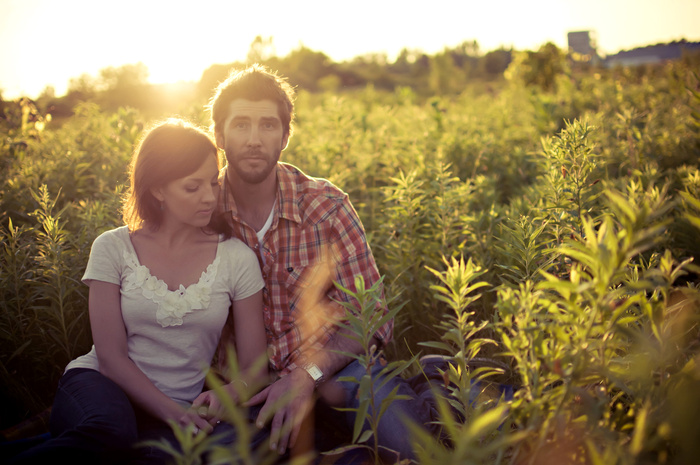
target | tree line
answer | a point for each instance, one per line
(127, 86)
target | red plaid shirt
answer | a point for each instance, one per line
(313, 222)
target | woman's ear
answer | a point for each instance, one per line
(156, 192)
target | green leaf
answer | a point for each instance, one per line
(487, 421)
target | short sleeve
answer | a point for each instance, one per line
(247, 277)
(105, 259)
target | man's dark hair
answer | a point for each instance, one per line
(253, 83)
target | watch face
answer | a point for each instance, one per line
(314, 371)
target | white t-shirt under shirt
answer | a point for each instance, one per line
(171, 335)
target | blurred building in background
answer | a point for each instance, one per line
(582, 47)
(583, 50)
(652, 54)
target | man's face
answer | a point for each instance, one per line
(253, 138)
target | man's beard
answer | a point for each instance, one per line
(250, 175)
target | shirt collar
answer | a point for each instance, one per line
(287, 193)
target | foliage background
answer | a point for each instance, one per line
(574, 190)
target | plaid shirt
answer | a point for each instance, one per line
(313, 223)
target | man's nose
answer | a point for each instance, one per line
(254, 137)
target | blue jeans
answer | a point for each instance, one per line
(93, 422)
(393, 432)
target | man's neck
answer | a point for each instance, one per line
(254, 201)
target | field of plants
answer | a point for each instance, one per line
(554, 228)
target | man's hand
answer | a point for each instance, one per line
(287, 402)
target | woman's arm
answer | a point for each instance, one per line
(109, 337)
(251, 351)
(251, 341)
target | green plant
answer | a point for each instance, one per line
(44, 306)
(470, 413)
(362, 322)
(459, 330)
(197, 448)
(578, 343)
(571, 170)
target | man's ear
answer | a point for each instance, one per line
(219, 139)
(285, 141)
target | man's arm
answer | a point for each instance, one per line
(352, 257)
(295, 392)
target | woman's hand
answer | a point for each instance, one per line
(193, 416)
(209, 406)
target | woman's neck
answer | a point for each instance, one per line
(172, 236)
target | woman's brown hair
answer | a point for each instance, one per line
(169, 150)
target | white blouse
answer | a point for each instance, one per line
(171, 335)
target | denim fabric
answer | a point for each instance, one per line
(393, 433)
(92, 421)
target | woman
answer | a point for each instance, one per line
(160, 291)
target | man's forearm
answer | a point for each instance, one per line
(331, 359)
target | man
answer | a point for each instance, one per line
(295, 224)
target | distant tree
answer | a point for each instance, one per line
(3, 107)
(46, 98)
(132, 75)
(211, 77)
(411, 69)
(81, 88)
(330, 83)
(445, 76)
(466, 57)
(303, 67)
(539, 68)
(261, 50)
(404, 62)
(496, 62)
(373, 69)
(348, 75)
(125, 85)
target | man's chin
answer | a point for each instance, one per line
(252, 176)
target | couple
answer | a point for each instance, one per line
(203, 246)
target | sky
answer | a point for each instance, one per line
(48, 42)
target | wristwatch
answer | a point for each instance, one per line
(314, 371)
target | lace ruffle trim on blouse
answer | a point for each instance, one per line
(172, 305)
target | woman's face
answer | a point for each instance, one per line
(191, 200)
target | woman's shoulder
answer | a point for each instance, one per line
(236, 249)
(112, 236)
(233, 243)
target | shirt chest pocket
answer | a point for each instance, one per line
(307, 285)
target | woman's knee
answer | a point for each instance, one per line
(95, 408)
